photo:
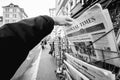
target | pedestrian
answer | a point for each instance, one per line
(17, 39)
(51, 48)
(43, 43)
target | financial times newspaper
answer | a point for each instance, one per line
(90, 26)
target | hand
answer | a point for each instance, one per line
(63, 20)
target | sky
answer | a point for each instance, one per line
(31, 7)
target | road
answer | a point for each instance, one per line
(46, 66)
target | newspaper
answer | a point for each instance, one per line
(90, 71)
(75, 73)
(90, 26)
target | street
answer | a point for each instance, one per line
(46, 68)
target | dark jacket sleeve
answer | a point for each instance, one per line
(28, 31)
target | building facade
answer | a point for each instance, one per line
(52, 12)
(13, 13)
(65, 7)
(1, 21)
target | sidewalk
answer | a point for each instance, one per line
(46, 66)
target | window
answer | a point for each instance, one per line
(7, 15)
(6, 21)
(13, 20)
(14, 15)
(1, 19)
(7, 9)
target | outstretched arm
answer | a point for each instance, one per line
(28, 31)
